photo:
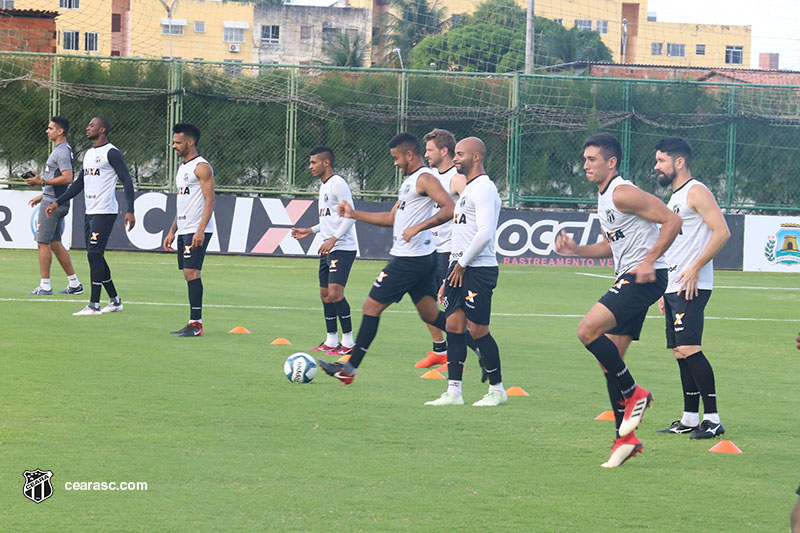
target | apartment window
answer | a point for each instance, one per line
(233, 35)
(657, 49)
(116, 22)
(560, 21)
(70, 39)
(700, 49)
(305, 32)
(6, 4)
(115, 53)
(271, 34)
(90, 41)
(69, 4)
(352, 35)
(583, 24)
(329, 34)
(676, 50)
(232, 67)
(199, 26)
(171, 29)
(602, 27)
(734, 55)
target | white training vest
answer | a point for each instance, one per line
(690, 242)
(630, 236)
(412, 209)
(441, 234)
(190, 200)
(476, 214)
(99, 181)
(333, 191)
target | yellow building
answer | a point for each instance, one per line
(83, 26)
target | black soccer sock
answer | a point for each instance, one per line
(691, 394)
(456, 355)
(491, 358)
(471, 343)
(366, 334)
(343, 311)
(107, 283)
(195, 299)
(440, 347)
(330, 317)
(617, 400)
(96, 271)
(704, 377)
(606, 352)
(440, 322)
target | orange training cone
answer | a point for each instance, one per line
(432, 374)
(605, 415)
(281, 341)
(343, 359)
(516, 391)
(239, 329)
(725, 446)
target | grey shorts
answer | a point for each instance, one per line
(50, 229)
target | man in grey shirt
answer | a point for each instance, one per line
(56, 179)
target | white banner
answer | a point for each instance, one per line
(18, 221)
(771, 244)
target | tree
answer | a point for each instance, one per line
(343, 53)
(410, 21)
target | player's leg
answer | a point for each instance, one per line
(190, 260)
(341, 261)
(456, 327)
(62, 255)
(96, 262)
(44, 236)
(101, 232)
(328, 309)
(438, 355)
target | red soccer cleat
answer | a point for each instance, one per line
(634, 410)
(432, 359)
(623, 449)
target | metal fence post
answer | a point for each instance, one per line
(290, 155)
(174, 116)
(513, 148)
(55, 95)
(626, 132)
(402, 114)
(730, 153)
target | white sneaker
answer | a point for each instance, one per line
(447, 399)
(112, 308)
(88, 310)
(492, 398)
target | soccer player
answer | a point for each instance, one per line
(439, 149)
(57, 177)
(629, 218)
(472, 277)
(194, 220)
(337, 252)
(413, 260)
(103, 166)
(794, 518)
(691, 279)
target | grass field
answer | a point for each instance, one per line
(226, 443)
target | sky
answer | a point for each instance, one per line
(775, 23)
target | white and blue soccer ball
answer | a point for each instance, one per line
(300, 368)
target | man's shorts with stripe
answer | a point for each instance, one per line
(629, 301)
(335, 267)
(685, 318)
(189, 257)
(474, 295)
(403, 275)
(97, 229)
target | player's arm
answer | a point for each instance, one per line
(566, 245)
(432, 187)
(703, 203)
(341, 191)
(457, 184)
(644, 205)
(486, 221)
(381, 218)
(171, 236)
(117, 162)
(36, 200)
(206, 178)
(69, 194)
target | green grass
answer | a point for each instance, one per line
(225, 442)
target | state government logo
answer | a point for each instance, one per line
(781, 248)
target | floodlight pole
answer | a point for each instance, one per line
(624, 39)
(530, 34)
(400, 55)
(169, 18)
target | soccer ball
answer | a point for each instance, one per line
(300, 368)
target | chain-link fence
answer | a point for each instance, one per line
(259, 123)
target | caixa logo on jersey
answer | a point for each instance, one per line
(535, 234)
(37, 486)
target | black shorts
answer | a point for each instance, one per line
(98, 229)
(403, 275)
(442, 265)
(189, 257)
(335, 267)
(685, 318)
(474, 295)
(629, 301)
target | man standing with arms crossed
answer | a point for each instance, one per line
(194, 220)
(472, 277)
(691, 279)
(629, 218)
(57, 177)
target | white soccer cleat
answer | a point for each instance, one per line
(447, 399)
(623, 449)
(112, 308)
(492, 398)
(88, 310)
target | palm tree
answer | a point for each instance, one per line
(343, 53)
(409, 21)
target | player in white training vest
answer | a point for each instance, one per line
(337, 251)
(440, 146)
(691, 279)
(412, 251)
(629, 218)
(194, 220)
(103, 166)
(472, 277)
